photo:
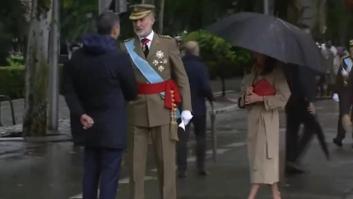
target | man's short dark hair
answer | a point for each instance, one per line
(106, 21)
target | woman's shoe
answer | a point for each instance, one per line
(337, 142)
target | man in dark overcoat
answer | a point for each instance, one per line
(98, 81)
(200, 91)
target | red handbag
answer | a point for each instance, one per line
(263, 88)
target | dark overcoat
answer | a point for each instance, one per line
(98, 81)
(199, 83)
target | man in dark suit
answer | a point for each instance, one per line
(300, 109)
(200, 90)
(98, 81)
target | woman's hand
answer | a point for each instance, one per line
(249, 90)
(252, 98)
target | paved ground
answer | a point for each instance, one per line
(53, 170)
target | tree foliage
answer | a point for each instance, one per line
(12, 25)
(339, 22)
(222, 58)
(77, 18)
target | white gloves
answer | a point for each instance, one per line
(344, 73)
(335, 97)
(186, 116)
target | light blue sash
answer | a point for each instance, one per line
(151, 75)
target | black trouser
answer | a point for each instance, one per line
(199, 122)
(345, 103)
(101, 169)
(297, 114)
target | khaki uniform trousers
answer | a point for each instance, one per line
(163, 144)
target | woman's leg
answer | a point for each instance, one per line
(253, 191)
(276, 194)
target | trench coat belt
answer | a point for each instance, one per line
(269, 143)
(165, 89)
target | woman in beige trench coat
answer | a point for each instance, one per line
(263, 123)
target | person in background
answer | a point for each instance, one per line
(300, 109)
(324, 80)
(264, 93)
(200, 91)
(98, 81)
(344, 89)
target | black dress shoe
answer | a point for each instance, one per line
(337, 142)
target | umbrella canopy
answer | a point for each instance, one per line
(270, 36)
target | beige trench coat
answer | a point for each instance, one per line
(263, 129)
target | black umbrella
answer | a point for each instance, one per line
(308, 136)
(270, 36)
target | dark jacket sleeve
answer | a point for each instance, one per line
(70, 94)
(206, 88)
(126, 78)
(308, 83)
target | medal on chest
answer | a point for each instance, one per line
(160, 61)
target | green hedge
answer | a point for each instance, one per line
(12, 81)
(222, 58)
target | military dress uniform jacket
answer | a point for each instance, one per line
(164, 57)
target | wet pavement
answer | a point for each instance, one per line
(52, 170)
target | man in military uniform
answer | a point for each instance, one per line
(162, 86)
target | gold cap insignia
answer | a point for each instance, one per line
(139, 11)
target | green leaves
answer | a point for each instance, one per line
(15, 60)
(13, 27)
(77, 17)
(12, 81)
(222, 58)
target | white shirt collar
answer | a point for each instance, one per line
(150, 38)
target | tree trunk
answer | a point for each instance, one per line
(35, 117)
(161, 16)
(53, 111)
